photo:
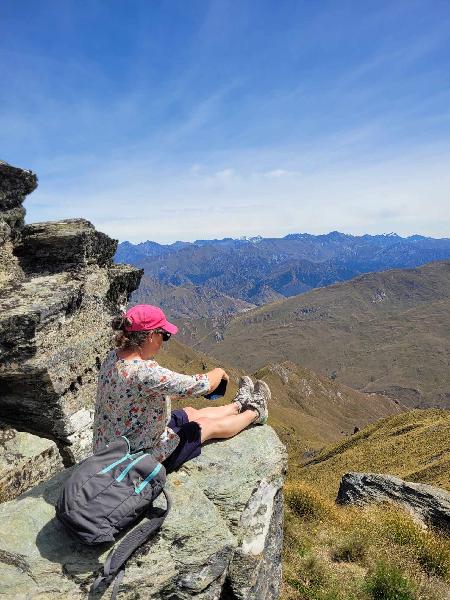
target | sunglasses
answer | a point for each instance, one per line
(165, 334)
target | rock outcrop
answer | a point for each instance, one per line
(58, 291)
(222, 538)
(15, 184)
(429, 504)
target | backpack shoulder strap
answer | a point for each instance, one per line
(114, 567)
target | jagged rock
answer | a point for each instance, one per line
(58, 292)
(427, 503)
(55, 246)
(25, 461)
(15, 185)
(54, 332)
(222, 538)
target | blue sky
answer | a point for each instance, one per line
(178, 119)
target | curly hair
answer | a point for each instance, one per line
(127, 340)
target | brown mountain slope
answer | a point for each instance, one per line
(414, 445)
(188, 301)
(307, 410)
(382, 332)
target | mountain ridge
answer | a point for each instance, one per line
(258, 270)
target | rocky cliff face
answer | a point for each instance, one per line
(58, 290)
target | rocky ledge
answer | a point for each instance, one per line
(221, 540)
(426, 503)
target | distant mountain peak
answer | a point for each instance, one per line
(256, 239)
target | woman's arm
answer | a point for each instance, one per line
(172, 383)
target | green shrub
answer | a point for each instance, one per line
(387, 582)
(401, 529)
(432, 553)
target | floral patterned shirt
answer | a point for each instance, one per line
(133, 399)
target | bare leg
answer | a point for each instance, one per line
(213, 412)
(226, 427)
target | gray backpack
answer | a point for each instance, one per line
(104, 495)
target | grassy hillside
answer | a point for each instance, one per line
(310, 411)
(339, 552)
(376, 553)
(382, 332)
(413, 445)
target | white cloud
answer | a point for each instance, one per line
(280, 173)
(224, 174)
(135, 200)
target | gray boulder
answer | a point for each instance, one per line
(429, 504)
(222, 539)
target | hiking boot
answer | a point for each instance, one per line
(262, 389)
(260, 410)
(261, 395)
(244, 393)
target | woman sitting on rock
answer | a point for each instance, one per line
(134, 392)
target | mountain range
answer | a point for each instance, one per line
(259, 270)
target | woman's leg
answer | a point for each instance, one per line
(225, 427)
(213, 412)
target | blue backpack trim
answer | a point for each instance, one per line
(129, 467)
(147, 480)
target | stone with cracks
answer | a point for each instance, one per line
(54, 331)
(222, 539)
(58, 293)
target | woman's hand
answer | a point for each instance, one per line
(215, 377)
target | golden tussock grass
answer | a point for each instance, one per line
(347, 553)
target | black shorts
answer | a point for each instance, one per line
(190, 444)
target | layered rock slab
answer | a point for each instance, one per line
(55, 330)
(218, 542)
(25, 461)
(63, 245)
(427, 503)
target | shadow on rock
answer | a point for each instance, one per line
(79, 562)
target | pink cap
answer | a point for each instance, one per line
(145, 317)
